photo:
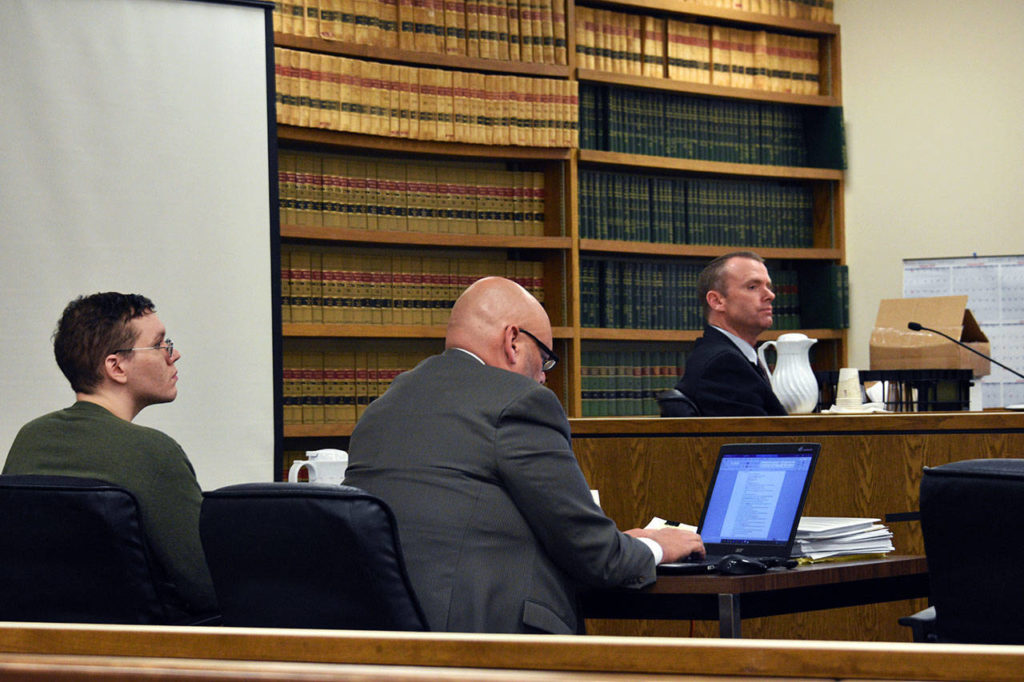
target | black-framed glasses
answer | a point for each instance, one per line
(167, 345)
(550, 359)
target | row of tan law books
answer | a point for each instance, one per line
(372, 98)
(646, 45)
(331, 387)
(387, 286)
(508, 30)
(407, 196)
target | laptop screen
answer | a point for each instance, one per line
(757, 494)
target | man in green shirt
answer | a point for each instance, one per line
(114, 350)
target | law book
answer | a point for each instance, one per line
(547, 33)
(306, 90)
(361, 373)
(502, 86)
(455, 27)
(472, 11)
(286, 186)
(406, 25)
(512, 20)
(312, 387)
(333, 363)
(309, 178)
(332, 182)
(392, 214)
(652, 50)
(584, 31)
(428, 104)
(388, 33)
(310, 18)
(328, 29)
(422, 190)
(286, 292)
(281, 18)
(291, 386)
(330, 276)
(525, 31)
(537, 30)
(349, 289)
(478, 116)
(487, 29)
(721, 58)
(348, 93)
(499, 10)
(559, 24)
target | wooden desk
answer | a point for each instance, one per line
(729, 599)
(870, 465)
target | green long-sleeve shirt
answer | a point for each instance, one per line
(87, 440)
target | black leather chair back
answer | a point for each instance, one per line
(304, 555)
(73, 550)
(675, 403)
(972, 519)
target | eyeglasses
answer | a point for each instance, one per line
(550, 359)
(168, 346)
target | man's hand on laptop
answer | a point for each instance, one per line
(676, 544)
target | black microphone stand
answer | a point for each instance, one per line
(914, 326)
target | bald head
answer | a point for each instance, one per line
(487, 318)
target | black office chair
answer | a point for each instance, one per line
(675, 403)
(73, 550)
(972, 520)
(303, 555)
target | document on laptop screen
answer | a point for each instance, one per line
(755, 498)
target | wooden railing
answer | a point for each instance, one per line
(98, 652)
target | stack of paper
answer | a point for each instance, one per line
(832, 537)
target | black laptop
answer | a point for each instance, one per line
(754, 503)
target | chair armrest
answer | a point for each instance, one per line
(922, 625)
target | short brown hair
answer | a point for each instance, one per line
(91, 328)
(712, 276)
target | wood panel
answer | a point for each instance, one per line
(869, 466)
(362, 655)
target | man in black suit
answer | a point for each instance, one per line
(473, 454)
(722, 375)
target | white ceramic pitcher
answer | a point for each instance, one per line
(323, 466)
(793, 380)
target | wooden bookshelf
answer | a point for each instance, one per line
(561, 246)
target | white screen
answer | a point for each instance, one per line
(134, 158)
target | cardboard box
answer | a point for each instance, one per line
(894, 346)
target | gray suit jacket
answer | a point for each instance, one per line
(496, 521)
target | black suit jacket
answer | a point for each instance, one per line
(496, 521)
(723, 383)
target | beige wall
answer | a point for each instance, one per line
(934, 104)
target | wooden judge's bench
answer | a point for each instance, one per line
(870, 466)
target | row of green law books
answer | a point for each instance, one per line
(676, 210)
(680, 125)
(626, 383)
(619, 293)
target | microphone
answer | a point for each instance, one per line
(916, 327)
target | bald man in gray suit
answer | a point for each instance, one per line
(472, 453)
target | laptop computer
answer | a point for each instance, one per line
(753, 504)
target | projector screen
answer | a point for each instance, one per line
(135, 156)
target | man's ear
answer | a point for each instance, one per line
(114, 369)
(715, 299)
(509, 344)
